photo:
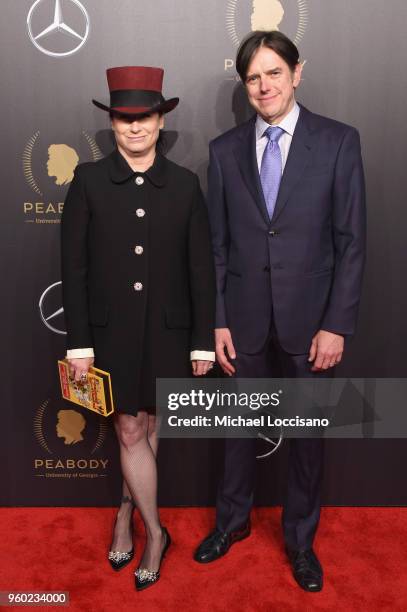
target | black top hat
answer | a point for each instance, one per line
(136, 90)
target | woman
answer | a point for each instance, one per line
(138, 289)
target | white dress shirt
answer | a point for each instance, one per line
(287, 124)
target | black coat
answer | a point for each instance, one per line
(142, 309)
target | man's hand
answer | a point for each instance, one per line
(78, 368)
(200, 367)
(223, 340)
(326, 350)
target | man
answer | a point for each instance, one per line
(287, 210)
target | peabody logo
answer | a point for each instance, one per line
(58, 33)
(70, 440)
(50, 167)
(50, 309)
(290, 16)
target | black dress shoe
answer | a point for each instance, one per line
(307, 570)
(217, 544)
(144, 577)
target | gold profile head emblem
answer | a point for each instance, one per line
(62, 161)
(70, 426)
(266, 14)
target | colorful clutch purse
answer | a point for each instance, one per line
(94, 393)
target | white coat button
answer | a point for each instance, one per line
(138, 286)
(139, 180)
(140, 212)
(138, 250)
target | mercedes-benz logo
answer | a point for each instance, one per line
(41, 12)
(54, 312)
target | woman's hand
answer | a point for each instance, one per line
(78, 368)
(200, 368)
(225, 349)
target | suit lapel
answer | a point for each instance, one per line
(298, 158)
(245, 153)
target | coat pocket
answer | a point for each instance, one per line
(178, 319)
(98, 314)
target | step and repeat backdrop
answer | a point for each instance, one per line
(53, 59)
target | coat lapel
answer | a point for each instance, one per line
(245, 153)
(298, 158)
(119, 169)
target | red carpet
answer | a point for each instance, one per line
(363, 550)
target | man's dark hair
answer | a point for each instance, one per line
(277, 41)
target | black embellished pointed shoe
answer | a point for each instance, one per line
(119, 559)
(145, 578)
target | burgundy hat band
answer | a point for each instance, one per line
(135, 97)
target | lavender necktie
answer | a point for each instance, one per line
(271, 168)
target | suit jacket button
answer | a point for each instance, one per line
(139, 180)
(273, 232)
(140, 212)
(138, 250)
(138, 286)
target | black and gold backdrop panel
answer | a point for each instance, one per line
(53, 60)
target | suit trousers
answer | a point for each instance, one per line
(301, 509)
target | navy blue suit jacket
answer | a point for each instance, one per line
(304, 267)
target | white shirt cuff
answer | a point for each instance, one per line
(202, 355)
(79, 353)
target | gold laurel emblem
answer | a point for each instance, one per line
(62, 161)
(38, 431)
(96, 152)
(266, 15)
(27, 165)
(69, 425)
